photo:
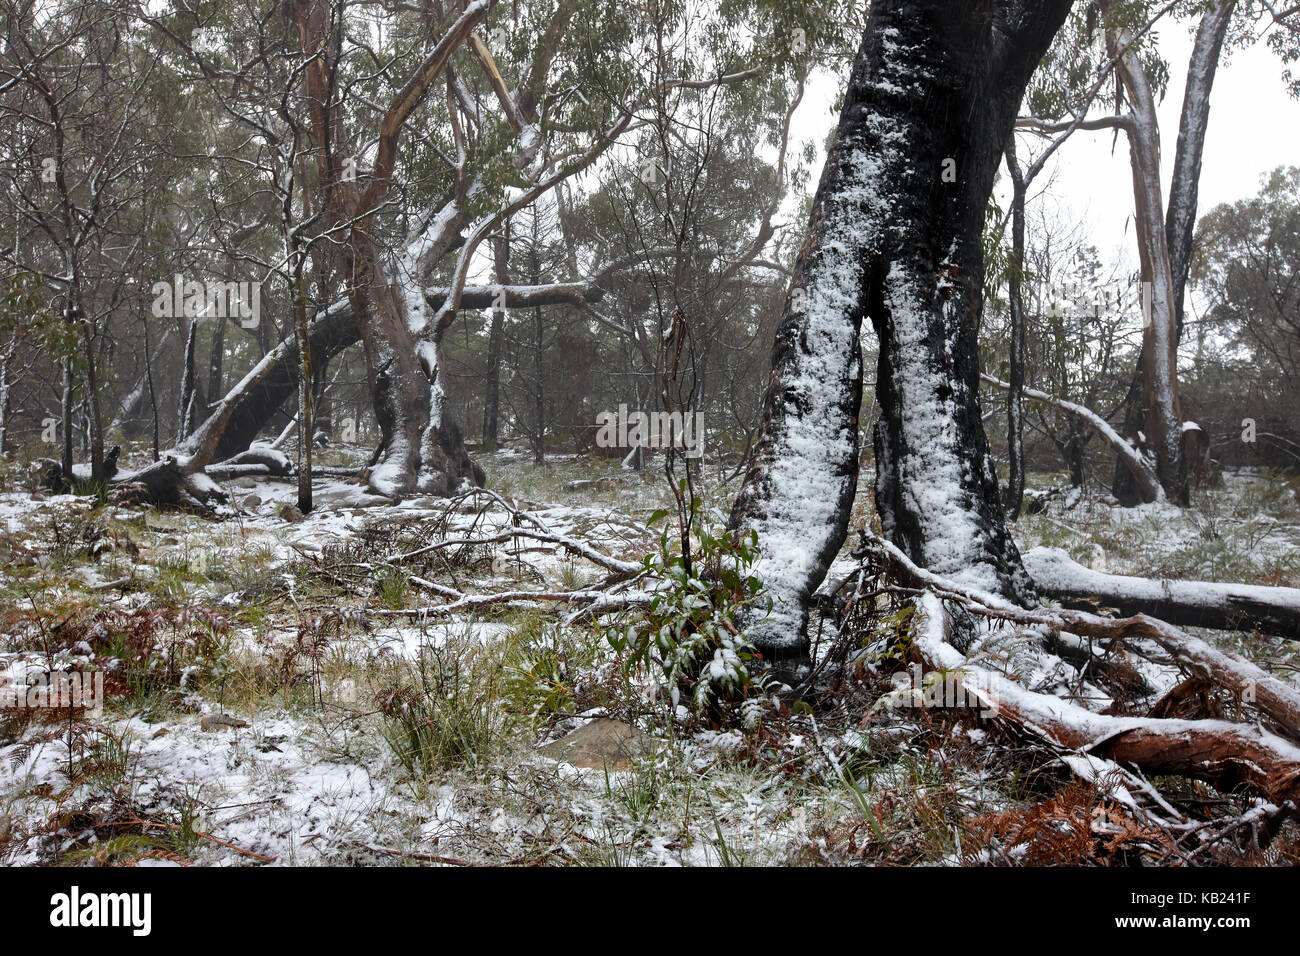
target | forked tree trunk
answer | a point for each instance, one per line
(1180, 218)
(1160, 336)
(895, 235)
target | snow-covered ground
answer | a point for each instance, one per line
(266, 712)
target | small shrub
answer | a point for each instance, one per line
(690, 631)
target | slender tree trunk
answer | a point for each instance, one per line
(185, 412)
(94, 413)
(305, 386)
(216, 361)
(895, 235)
(539, 380)
(492, 387)
(5, 392)
(1016, 373)
(65, 425)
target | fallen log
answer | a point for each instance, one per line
(173, 480)
(1278, 699)
(1222, 753)
(1229, 607)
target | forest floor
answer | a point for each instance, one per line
(273, 695)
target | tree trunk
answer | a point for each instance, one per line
(492, 387)
(217, 359)
(249, 406)
(65, 423)
(1163, 419)
(1180, 218)
(895, 234)
(185, 412)
(1015, 495)
(306, 385)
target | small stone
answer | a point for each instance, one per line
(603, 743)
(290, 513)
(212, 722)
(250, 502)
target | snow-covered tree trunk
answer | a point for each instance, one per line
(398, 389)
(246, 409)
(895, 235)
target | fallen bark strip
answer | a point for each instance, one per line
(501, 537)
(1229, 607)
(1222, 753)
(542, 533)
(1278, 699)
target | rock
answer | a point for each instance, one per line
(290, 513)
(603, 743)
(212, 722)
(246, 483)
(130, 494)
(250, 502)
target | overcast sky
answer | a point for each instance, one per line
(1254, 128)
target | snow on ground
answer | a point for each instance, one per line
(314, 777)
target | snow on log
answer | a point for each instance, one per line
(1278, 699)
(1231, 607)
(1225, 754)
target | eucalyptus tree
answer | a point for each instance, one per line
(896, 235)
(71, 85)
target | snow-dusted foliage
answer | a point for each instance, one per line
(689, 632)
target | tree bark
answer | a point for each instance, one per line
(1164, 418)
(1180, 217)
(246, 409)
(895, 235)
(492, 387)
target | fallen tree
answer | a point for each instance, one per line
(1225, 753)
(1142, 468)
(1230, 607)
